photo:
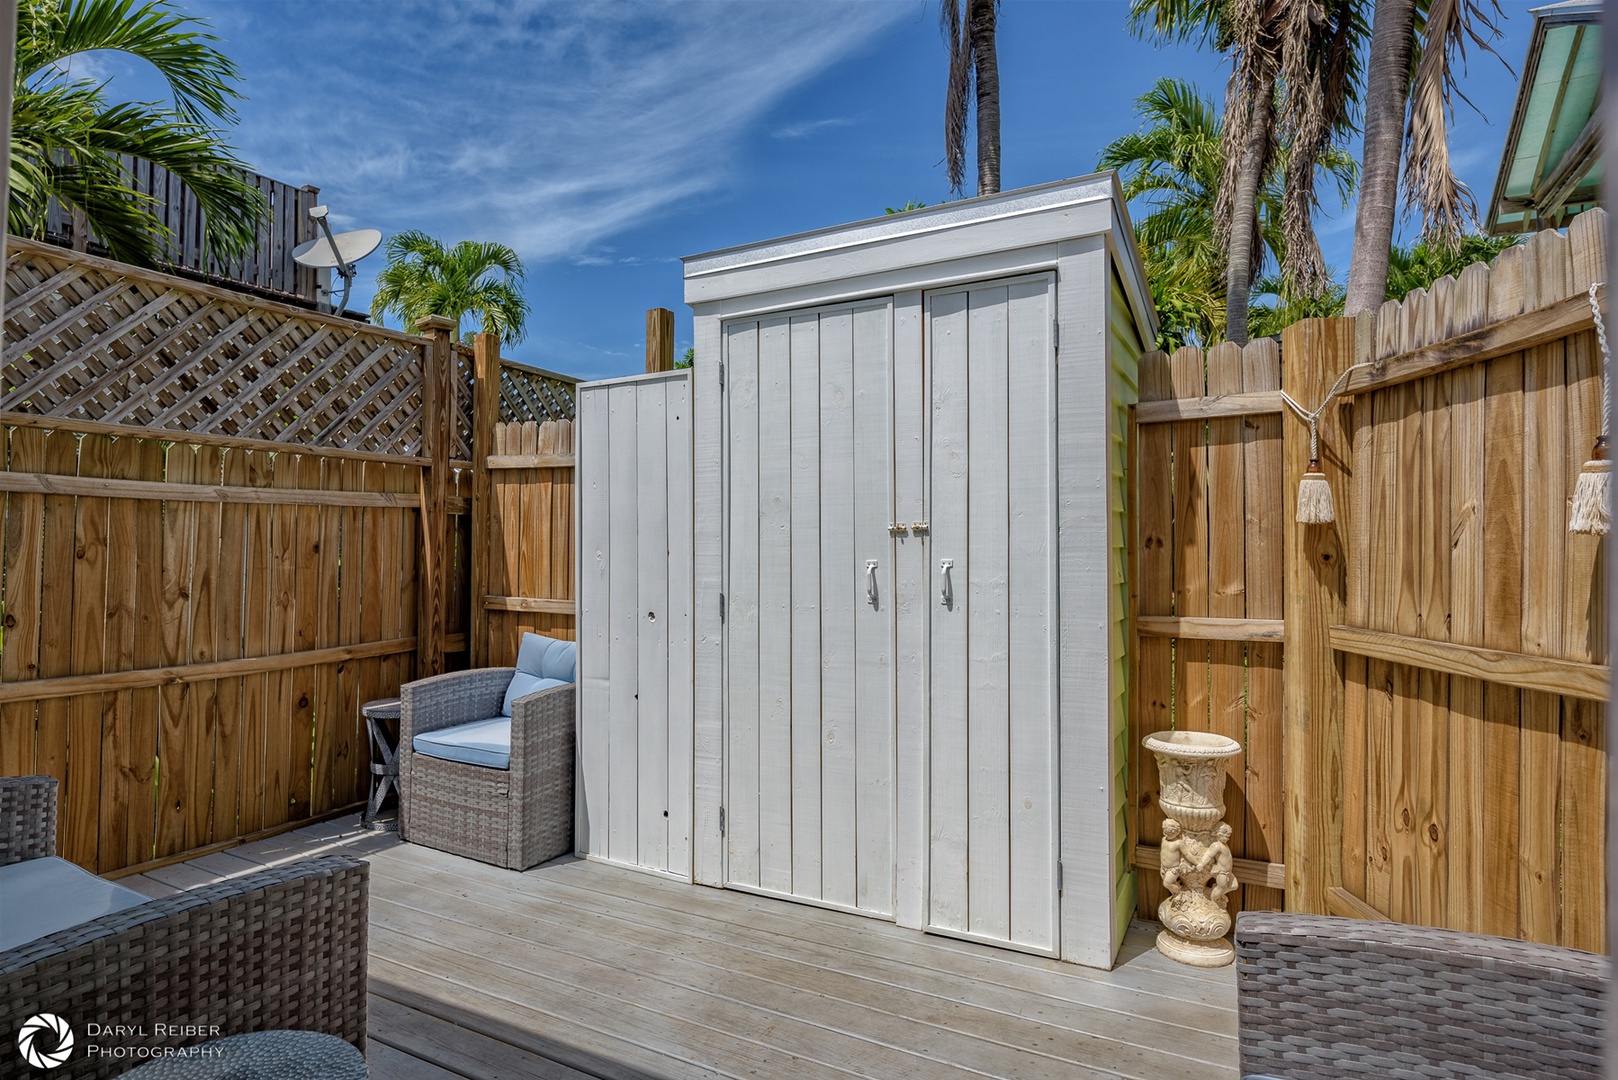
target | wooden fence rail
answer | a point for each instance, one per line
(1432, 749)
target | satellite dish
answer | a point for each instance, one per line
(336, 252)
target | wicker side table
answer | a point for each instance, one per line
(382, 725)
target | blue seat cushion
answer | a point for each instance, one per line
(523, 684)
(481, 742)
(547, 658)
(41, 896)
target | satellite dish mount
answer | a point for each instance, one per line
(337, 252)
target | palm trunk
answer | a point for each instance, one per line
(1239, 264)
(1387, 90)
(988, 103)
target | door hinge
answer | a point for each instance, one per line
(1058, 879)
(721, 821)
(721, 377)
(721, 607)
(1056, 336)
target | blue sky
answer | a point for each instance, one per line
(606, 140)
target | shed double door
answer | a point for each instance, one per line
(812, 615)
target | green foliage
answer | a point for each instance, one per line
(688, 360)
(66, 135)
(1285, 305)
(910, 204)
(424, 278)
(1418, 266)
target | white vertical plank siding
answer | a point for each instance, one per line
(595, 533)
(912, 611)
(635, 622)
(947, 696)
(873, 623)
(742, 615)
(805, 544)
(623, 645)
(1088, 819)
(680, 569)
(708, 525)
(651, 515)
(988, 828)
(774, 792)
(1031, 605)
(838, 585)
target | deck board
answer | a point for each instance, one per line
(579, 969)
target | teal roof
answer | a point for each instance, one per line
(1551, 168)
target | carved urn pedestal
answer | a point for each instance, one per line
(1196, 856)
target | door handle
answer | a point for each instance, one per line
(870, 581)
(946, 592)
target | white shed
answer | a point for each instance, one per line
(909, 673)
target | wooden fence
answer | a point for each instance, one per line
(1432, 749)
(226, 523)
(267, 269)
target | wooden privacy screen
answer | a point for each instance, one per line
(268, 266)
(189, 632)
(1209, 506)
(1479, 804)
(1442, 742)
(530, 537)
(97, 343)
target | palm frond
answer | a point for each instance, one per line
(958, 91)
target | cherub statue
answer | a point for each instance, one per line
(1172, 856)
(1216, 864)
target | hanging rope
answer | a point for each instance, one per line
(1592, 510)
(1314, 493)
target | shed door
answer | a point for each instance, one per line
(992, 744)
(809, 628)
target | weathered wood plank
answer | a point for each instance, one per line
(1213, 406)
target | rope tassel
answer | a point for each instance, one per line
(1592, 501)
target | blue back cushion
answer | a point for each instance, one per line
(522, 685)
(547, 658)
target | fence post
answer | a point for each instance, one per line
(659, 339)
(485, 411)
(1313, 353)
(438, 400)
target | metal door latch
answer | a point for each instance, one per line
(920, 527)
(897, 528)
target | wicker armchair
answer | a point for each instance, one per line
(1321, 997)
(517, 817)
(283, 948)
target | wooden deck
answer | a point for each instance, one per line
(576, 969)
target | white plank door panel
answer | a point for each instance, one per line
(992, 721)
(806, 606)
(774, 606)
(873, 624)
(949, 814)
(837, 598)
(742, 602)
(680, 596)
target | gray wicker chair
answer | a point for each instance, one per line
(1321, 997)
(282, 948)
(517, 817)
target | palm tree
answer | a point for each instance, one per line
(1172, 168)
(423, 278)
(67, 138)
(1401, 80)
(1293, 75)
(972, 64)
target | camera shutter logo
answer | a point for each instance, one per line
(45, 1041)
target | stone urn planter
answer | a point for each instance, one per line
(1196, 857)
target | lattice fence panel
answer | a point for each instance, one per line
(533, 395)
(463, 402)
(88, 339)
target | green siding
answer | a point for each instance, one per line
(1123, 357)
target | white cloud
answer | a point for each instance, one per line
(550, 127)
(810, 127)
